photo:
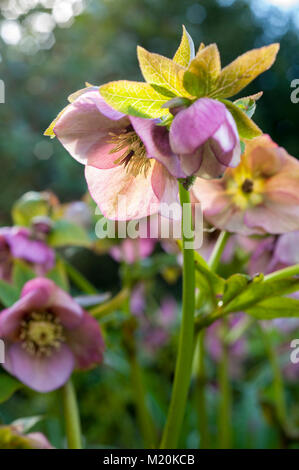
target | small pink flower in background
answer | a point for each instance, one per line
(17, 242)
(259, 196)
(123, 155)
(205, 138)
(237, 350)
(47, 335)
(132, 250)
(78, 213)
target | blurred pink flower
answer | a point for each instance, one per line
(17, 242)
(123, 156)
(259, 196)
(47, 334)
(133, 249)
(205, 138)
(13, 437)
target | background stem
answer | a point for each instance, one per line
(71, 416)
(225, 395)
(186, 340)
(201, 394)
(218, 250)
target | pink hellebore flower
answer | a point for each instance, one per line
(205, 138)
(16, 242)
(124, 156)
(259, 196)
(47, 334)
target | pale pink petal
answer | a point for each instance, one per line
(42, 374)
(83, 129)
(120, 195)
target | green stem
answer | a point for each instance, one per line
(202, 417)
(225, 393)
(112, 305)
(78, 279)
(71, 416)
(186, 340)
(218, 250)
(283, 273)
(145, 420)
(279, 396)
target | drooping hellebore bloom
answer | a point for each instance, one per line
(47, 335)
(124, 156)
(259, 196)
(17, 242)
(206, 139)
(13, 437)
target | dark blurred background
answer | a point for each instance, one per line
(50, 48)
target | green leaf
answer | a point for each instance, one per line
(185, 51)
(9, 294)
(215, 282)
(247, 129)
(21, 274)
(239, 73)
(258, 291)
(25, 424)
(30, 205)
(248, 103)
(66, 233)
(59, 276)
(8, 386)
(134, 98)
(234, 285)
(203, 71)
(161, 71)
(275, 307)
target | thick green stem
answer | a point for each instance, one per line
(71, 416)
(78, 279)
(225, 397)
(218, 250)
(279, 396)
(283, 273)
(144, 418)
(202, 417)
(186, 340)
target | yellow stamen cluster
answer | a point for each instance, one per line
(41, 333)
(134, 157)
(245, 189)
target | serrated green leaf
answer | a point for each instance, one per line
(59, 276)
(234, 285)
(275, 307)
(185, 52)
(247, 129)
(66, 233)
(206, 67)
(248, 103)
(258, 291)
(9, 294)
(237, 75)
(161, 71)
(21, 274)
(8, 386)
(134, 98)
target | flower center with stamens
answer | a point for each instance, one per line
(41, 333)
(247, 186)
(134, 157)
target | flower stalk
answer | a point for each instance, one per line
(185, 348)
(71, 416)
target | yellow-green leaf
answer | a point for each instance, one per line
(206, 65)
(49, 132)
(185, 51)
(160, 70)
(247, 129)
(237, 75)
(134, 98)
